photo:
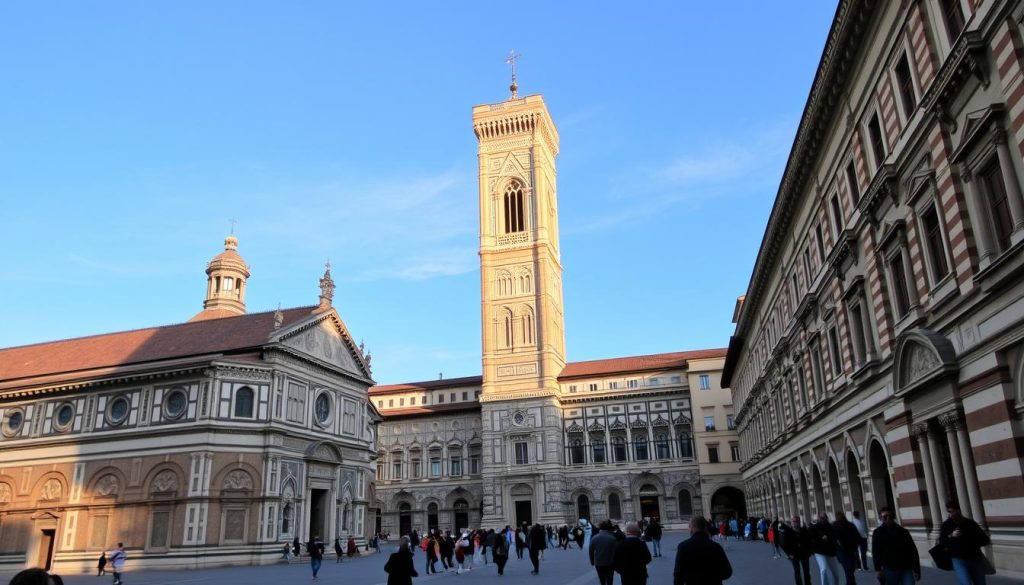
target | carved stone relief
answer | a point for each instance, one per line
(107, 485)
(919, 362)
(165, 481)
(237, 480)
(52, 490)
(5, 493)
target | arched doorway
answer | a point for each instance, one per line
(614, 506)
(729, 502)
(583, 507)
(649, 507)
(853, 480)
(461, 509)
(819, 490)
(881, 488)
(404, 519)
(834, 490)
(432, 516)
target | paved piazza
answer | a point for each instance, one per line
(752, 565)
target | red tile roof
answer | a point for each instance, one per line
(427, 385)
(638, 363)
(213, 336)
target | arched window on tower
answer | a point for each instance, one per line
(508, 330)
(528, 327)
(244, 402)
(515, 208)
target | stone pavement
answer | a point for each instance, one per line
(752, 565)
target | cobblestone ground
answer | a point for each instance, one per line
(752, 565)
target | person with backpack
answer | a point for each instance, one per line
(499, 551)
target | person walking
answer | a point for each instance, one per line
(892, 547)
(448, 551)
(551, 535)
(460, 553)
(338, 551)
(478, 549)
(433, 548)
(796, 544)
(414, 542)
(700, 560)
(632, 557)
(399, 567)
(499, 552)
(538, 541)
(963, 538)
(101, 568)
(847, 541)
(316, 556)
(862, 529)
(520, 542)
(654, 533)
(602, 553)
(296, 547)
(117, 560)
(824, 548)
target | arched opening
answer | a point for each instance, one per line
(853, 480)
(685, 443)
(243, 402)
(640, 448)
(805, 498)
(685, 504)
(515, 209)
(819, 490)
(583, 507)
(649, 505)
(619, 448)
(881, 488)
(461, 509)
(835, 490)
(432, 523)
(728, 502)
(614, 506)
(576, 451)
(404, 518)
(661, 446)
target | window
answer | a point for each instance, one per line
(730, 423)
(522, 449)
(456, 466)
(802, 383)
(713, 454)
(705, 382)
(583, 507)
(401, 402)
(685, 445)
(837, 214)
(676, 379)
(833, 350)
(465, 395)
(117, 412)
(380, 475)
(243, 402)
(440, 398)
(898, 285)
(412, 401)
(380, 404)
(653, 382)
(992, 182)
(934, 244)
(661, 446)
(819, 239)
(576, 456)
(391, 402)
(905, 86)
(734, 450)
(229, 283)
(709, 423)
(476, 394)
(619, 448)
(572, 388)
(852, 182)
(632, 383)
(435, 467)
(953, 17)
(817, 377)
(613, 385)
(414, 469)
(396, 467)
(159, 527)
(876, 140)
(474, 465)
(597, 448)
(640, 448)
(593, 387)
(807, 265)
(685, 504)
(860, 347)
(451, 397)
(515, 211)
(614, 506)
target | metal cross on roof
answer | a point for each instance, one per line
(512, 57)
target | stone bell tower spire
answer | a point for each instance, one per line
(326, 287)
(227, 276)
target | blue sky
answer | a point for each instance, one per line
(131, 132)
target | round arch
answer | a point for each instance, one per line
(728, 501)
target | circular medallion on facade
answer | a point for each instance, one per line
(323, 408)
(117, 410)
(175, 403)
(63, 417)
(519, 419)
(13, 421)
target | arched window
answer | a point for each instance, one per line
(508, 328)
(685, 445)
(243, 402)
(432, 516)
(515, 210)
(528, 327)
(583, 507)
(640, 446)
(597, 448)
(619, 448)
(685, 504)
(614, 506)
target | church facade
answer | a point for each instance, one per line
(534, 438)
(211, 442)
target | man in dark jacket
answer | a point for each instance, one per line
(796, 543)
(896, 559)
(700, 560)
(963, 538)
(654, 533)
(824, 547)
(602, 553)
(848, 540)
(399, 566)
(538, 541)
(632, 557)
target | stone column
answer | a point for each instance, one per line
(1013, 196)
(938, 468)
(970, 475)
(920, 434)
(950, 421)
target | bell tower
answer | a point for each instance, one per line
(523, 334)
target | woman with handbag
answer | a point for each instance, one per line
(963, 539)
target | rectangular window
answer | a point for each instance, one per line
(465, 395)
(735, 449)
(653, 382)
(593, 387)
(474, 465)
(414, 469)
(807, 265)
(597, 447)
(476, 394)
(905, 86)
(877, 142)
(426, 399)
(632, 383)
(391, 402)
(396, 470)
(380, 404)
(705, 382)
(713, 454)
(837, 214)
(440, 398)
(860, 348)
(852, 182)
(934, 243)
(401, 402)
(802, 385)
(709, 423)
(412, 401)
(613, 385)
(995, 188)
(833, 350)
(522, 449)
(456, 466)
(816, 372)
(819, 239)
(380, 470)
(730, 423)
(435, 467)
(898, 276)
(676, 379)
(572, 388)
(451, 397)
(953, 17)
(159, 529)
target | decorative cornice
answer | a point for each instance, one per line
(967, 58)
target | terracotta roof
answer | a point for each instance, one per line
(658, 361)
(223, 335)
(432, 409)
(427, 385)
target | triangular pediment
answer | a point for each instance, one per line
(324, 337)
(512, 166)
